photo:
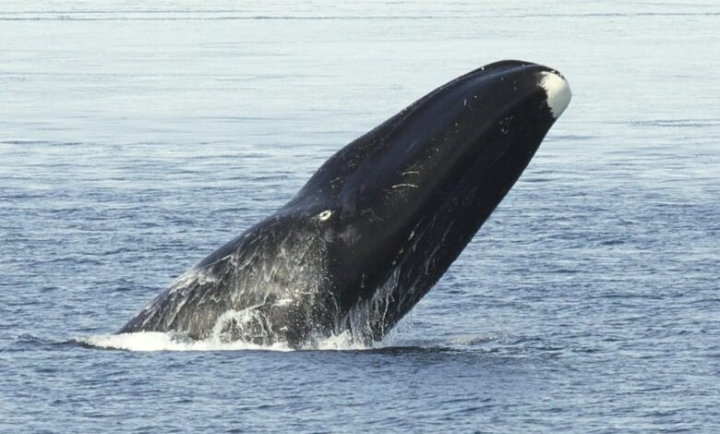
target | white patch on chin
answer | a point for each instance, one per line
(557, 90)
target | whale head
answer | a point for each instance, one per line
(399, 204)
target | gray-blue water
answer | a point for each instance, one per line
(135, 138)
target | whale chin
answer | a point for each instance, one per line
(557, 90)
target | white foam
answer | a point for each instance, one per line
(341, 342)
(158, 341)
(557, 90)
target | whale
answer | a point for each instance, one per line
(378, 224)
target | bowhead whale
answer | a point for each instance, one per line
(377, 225)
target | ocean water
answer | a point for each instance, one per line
(137, 137)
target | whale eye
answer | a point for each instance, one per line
(324, 215)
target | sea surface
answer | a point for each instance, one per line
(137, 137)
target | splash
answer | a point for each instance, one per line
(342, 342)
(159, 341)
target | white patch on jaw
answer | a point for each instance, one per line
(557, 90)
(324, 215)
